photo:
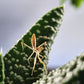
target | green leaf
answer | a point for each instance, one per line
(76, 3)
(70, 73)
(17, 69)
(1, 69)
(62, 1)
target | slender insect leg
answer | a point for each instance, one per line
(42, 63)
(41, 56)
(42, 44)
(26, 45)
(34, 64)
(30, 57)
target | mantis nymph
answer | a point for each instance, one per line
(36, 50)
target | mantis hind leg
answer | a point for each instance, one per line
(42, 63)
(34, 64)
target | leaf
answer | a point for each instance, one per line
(70, 73)
(1, 69)
(17, 69)
(62, 1)
(76, 3)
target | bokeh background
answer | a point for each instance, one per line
(17, 16)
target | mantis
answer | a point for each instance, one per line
(36, 50)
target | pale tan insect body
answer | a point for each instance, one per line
(36, 50)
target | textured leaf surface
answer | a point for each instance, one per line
(70, 73)
(1, 69)
(17, 69)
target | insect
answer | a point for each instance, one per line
(36, 50)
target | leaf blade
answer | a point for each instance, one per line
(1, 69)
(17, 68)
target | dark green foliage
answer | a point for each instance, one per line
(17, 69)
(70, 73)
(1, 69)
(76, 3)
